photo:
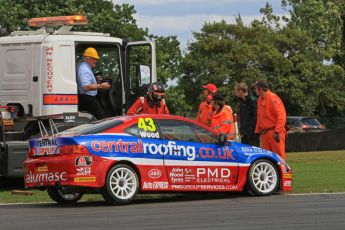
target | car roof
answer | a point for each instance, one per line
(128, 118)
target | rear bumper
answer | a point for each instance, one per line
(67, 170)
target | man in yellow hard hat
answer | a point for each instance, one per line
(88, 86)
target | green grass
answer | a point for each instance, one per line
(313, 172)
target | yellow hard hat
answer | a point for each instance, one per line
(91, 52)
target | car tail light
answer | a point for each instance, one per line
(71, 149)
(31, 152)
(305, 126)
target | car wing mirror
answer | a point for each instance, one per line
(222, 139)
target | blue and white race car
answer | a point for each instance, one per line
(123, 156)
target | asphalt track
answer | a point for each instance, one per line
(320, 211)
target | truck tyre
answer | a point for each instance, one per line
(121, 185)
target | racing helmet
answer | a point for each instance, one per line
(91, 52)
(156, 92)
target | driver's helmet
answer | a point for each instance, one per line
(156, 92)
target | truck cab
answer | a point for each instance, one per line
(38, 87)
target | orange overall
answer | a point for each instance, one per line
(141, 106)
(223, 122)
(204, 113)
(271, 118)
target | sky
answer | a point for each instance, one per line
(182, 17)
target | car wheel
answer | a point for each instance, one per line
(57, 194)
(122, 184)
(263, 178)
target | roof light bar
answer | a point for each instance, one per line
(58, 21)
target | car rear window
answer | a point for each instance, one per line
(310, 121)
(93, 128)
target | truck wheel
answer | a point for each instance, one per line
(58, 195)
(121, 185)
(263, 178)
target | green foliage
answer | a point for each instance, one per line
(169, 57)
(176, 102)
(296, 58)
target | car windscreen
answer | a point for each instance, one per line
(310, 121)
(92, 128)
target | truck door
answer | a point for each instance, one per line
(108, 69)
(140, 69)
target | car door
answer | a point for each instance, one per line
(150, 160)
(193, 156)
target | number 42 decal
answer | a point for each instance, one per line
(147, 124)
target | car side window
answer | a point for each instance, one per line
(184, 131)
(134, 130)
(144, 128)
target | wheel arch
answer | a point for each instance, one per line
(270, 159)
(131, 164)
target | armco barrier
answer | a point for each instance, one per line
(316, 141)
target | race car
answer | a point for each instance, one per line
(123, 156)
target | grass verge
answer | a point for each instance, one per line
(313, 172)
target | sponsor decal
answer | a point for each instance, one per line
(155, 185)
(42, 169)
(200, 175)
(45, 147)
(145, 134)
(248, 151)
(84, 171)
(215, 175)
(85, 179)
(148, 128)
(83, 161)
(155, 173)
(146, 124)
(203, 187)
(287, 176)
(43, 151)
(171, 149)
(177, 175)
(45, 177)
(46, 142)
(287, 183)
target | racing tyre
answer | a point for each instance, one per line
(121, 185)
(57, 194)
(263, 178)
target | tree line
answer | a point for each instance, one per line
(301, 54)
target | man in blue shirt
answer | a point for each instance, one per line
(88, 86)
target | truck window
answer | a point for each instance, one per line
(139, 72)
(108, 67)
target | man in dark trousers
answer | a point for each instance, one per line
(247, 115)
(88, 86)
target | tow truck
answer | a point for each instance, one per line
(38, 88)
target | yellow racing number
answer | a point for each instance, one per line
(147, 124)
